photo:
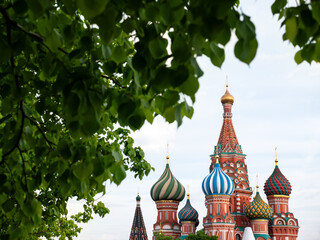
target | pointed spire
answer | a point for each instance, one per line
(257, 184)
(276, 160)
(138, 229)
(228, 142)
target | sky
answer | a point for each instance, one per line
(277, 103)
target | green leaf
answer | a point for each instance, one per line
(171, 15)
(109, 67)
(178, 116)
(20, 7)
(83, 170)
(307, 52)
(245, 50)
(180, 75)
(117, 156)
(316, 10)
(157, 47)
(245, 28)
(136, 120)
(317, 51)
(190, 87)
(32, 207)
(298, 58)
(125, 110)
(196, 66)
(216, 54)
(53, 40)
(152, 11)
(170, 114)
(119, 54)
(162, 79)
(278, 5)
(36, 7)
(92, 8)
(291, 28)
(8, 205)
(119, 173)
(70, 5)
(138, 62)
(5, 51)
(179, 49)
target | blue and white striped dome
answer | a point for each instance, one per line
(217, 182)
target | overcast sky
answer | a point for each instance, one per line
(277, 103)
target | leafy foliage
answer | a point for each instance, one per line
(302, 27)
(201, 235)
(76, 75)
(161, 236)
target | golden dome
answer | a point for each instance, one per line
(227, 97)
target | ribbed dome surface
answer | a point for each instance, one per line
(167, 187)
(188, 213)
(258, 209)
(277, 184)
(217, 182)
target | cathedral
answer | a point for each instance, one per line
(231, 213)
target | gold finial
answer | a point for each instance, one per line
(217, 158)
(188, 195)
(167, 153)
(257, 184)
(276, 156)
(227, 97)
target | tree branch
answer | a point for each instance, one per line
(23, 168)
(5, 118)
(19, 135)
(114, 80)
(34, 35)
(41, 131)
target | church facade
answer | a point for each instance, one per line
(231, 214)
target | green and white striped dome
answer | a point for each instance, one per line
(167, 187)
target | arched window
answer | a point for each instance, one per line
(238, 237)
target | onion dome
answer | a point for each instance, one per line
(138, 198)
(277, 183)
(258, 209)
(217, 182)
(188, 213)
(167, 187)
(227, 97)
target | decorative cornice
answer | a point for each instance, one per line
(218, 195)
(278, 196)
(260, 219)
(167, 201)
